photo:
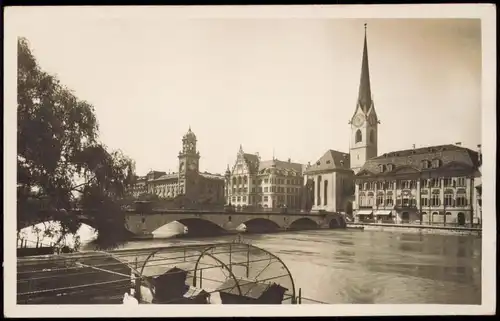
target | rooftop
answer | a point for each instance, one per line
(420, 159)
(331, 160)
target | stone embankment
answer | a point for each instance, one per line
(412, 228)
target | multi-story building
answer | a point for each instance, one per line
(264, 184)
(188, 181)
(431, 185)
(330, 181)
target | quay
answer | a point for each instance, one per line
(417, 228)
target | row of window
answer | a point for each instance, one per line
(410, 184)
(281, 199)
(277, 181)
(435, 163)
(272, 189)
(433, 201)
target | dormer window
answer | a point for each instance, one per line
(390, 167)
(328, 161)
(436, 163)
(425, 164)
(318, 163)
(382, 168)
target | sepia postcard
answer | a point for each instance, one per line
(305, 160)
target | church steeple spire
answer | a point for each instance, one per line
(364, 122)
(365, 93)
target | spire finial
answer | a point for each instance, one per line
(365, 26)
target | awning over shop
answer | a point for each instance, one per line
(364, 212)
(382, 213)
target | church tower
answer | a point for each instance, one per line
(364, 122)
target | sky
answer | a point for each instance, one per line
(286, 87)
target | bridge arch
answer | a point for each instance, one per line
(260, 224)
(303, 223)
(197, 226)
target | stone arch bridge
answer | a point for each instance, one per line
(145, 223)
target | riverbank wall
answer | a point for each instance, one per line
(412, 228)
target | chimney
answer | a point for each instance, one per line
(479, 154)
(458, 143)
(289, 160)
(413, 146)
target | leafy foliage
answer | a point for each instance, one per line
(60, 162)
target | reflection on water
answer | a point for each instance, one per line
(372, 266)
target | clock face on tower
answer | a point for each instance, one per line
(358, 120)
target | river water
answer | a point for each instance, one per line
(352, 266)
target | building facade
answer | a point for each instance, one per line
(330, 181)
(264, 184)
(431, 185)
(188, 182)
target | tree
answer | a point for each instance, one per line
(59, 156)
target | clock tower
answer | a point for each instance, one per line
(364, 122)
(188, 157)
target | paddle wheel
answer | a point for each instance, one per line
(218, 273)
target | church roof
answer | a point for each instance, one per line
(447, 155)
(365, 93)
(331, 160)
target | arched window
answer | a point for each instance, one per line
(318, 192)
(359, 137)
(325, 193)
(234, 180)
(244, 180)
(239, 180)
(372, 136)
